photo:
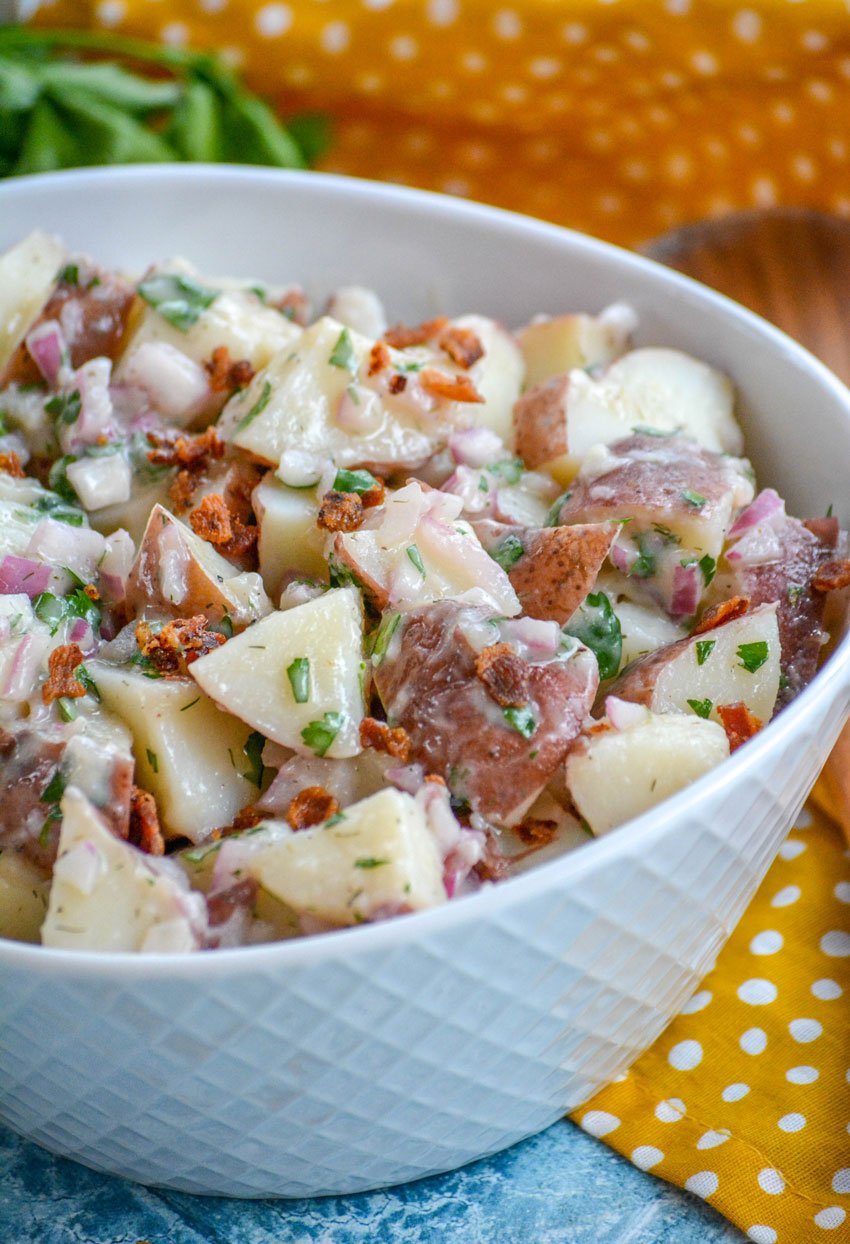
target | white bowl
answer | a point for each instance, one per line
(389, 1052)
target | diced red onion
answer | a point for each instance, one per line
(623, 714)
(686, 592)
(408, 778)
(95, 420)
(46, 343)
(534, 639)
(621, 558)
(476, 447)
(116, 564)
(81, 633)
(766, 506)
(23, 574)
(100, 482)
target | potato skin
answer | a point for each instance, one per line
(540, 422)
(428, 685)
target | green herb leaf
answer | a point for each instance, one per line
(153, 759)
(55, 788)
(70, 274)
(253, 750)
(67, 708)
(597, 626)
(340, 575)
(369, 861)
(708, 566)
(354, 481)
(178, 298)
(319, 735)
(696, 499)
(145, 665)
(520, 719)
(507, 552)
(383, 636)
(753, 656)
(643, 567)
(509, 470)
(794, 591)
(416, 557)
(298, 674)
(65, 406)
(343, 354)
(553, 518)
(704, 648)
(641, 429)
(258, 407)
(312, 133)
(702, 708)
(85, 679)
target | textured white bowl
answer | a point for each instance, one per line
(385, 1053)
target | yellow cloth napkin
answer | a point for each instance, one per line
(620, 117)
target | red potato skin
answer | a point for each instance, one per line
(540, 422)
(375, 592)
(94, 321)
(559, 565)
(428, 685)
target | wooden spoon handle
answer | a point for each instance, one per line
(792, 267)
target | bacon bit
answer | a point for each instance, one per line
(173, 448)
(213, 522)
(825, 529)
(226, 376)
(400, 336)
(738, 722)
(292, 304)
(536, 832)
(247, 818)
(726, 611)
(493, 866)
(601, 727)
(383, 738)
(435, 778)
(832, 576)
(311, 806)
(454, 388)
(182, 490)
(397, 384)
(373, 496)
(462, 345)
(379, 358)
(11, 464)
(145, 832)
(178, 644)
(91, 591)
(340, 511)
(239, 896)
(241, 480)
(504, 675)
(61, 677)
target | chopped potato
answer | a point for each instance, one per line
(28, 274)
(557, 344)
(24, 891)
(290, 538)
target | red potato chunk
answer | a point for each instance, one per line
(540, 422)
(676, 502)
(551, 569)
(443, 681)
(93, 312)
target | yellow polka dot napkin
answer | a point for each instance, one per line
(620, 117)
(745, 1099)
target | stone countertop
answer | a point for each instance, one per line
(560, 1187)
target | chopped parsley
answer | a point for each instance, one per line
(702, 708)
(696, 499)
(666, 535)
(85, 679)
(54, 610)
(520, 719)
(597, 626)
(704, 647)
(55, 788)
(509, 470)
(643, 567)
(354, 481)
(342, 576)
(507, 552)
(145, 665)
(67, 708)
(65, 406)
(553, 518)
(177, 297)
(343, 354)
(319, 735)
(416, 557)
(708, 566)
(753, 656)
(794, 591)
(369, 861)
(383, 636)
(298, 674)
(642, 429)
(258, 407)
(70, 274)
(153, 759)
(191, 704)
(253, 750)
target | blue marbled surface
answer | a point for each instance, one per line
(560, 1187)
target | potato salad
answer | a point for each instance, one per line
(309, 618)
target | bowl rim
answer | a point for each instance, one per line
(828, 684)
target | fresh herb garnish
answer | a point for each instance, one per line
(642, 429)
(794, 591)
(319, 735)
(55, 788)
(145, 665)
(416, 557)
(520, 719)
(753, 656)
(643, 567)
(702, 708)
(253, 750)
(298, 674)
(383, 636)
(67, 708)
(153, 759)
(666, 535)
(708, 566)
(696, 499)
(258, 407)
(704, 648)
(61, 485)
(343, 354)
(340, 575)
(178, 297)
(597, 626)
(85, 679)
(354, 481)
(70, 274)
(369, 861)
(553, 518)
(507, 552)
(509, 470)
(65, 406)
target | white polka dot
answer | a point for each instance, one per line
(746, 26)
(805, 1030)
(790, 893)
(403, 47)
(711, 1139)
(678, 7)
(836, 944)
(647, 1156)
(842, 890)
(841, 1180)
(793, 1122)
(457, 185)
(637, 40)
(814, 40)
(111, 12)
(802, 1075)
(734, 1092)
(704, 62)
(767, 943)
(757, 992)
(442, 12)
(830, 1218)
(378, 5)
(817, 89)
(750, 135)
(685, 1055)
(175, 34)
(334, 38)
(698, 1002)
(670, 1111)
(544, 67)
(473, 62)
(827, 990)
(213, 6)
(803, 168)
(574, 32)
(753, 1041)
(679, 166)
(514, 93)
(507, 24)
(273, 20)
(703, 1184)
(791, 849)
(804, 819)
(771, 1181)
(605, 54)
(599, 1122)
(762, 1235)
